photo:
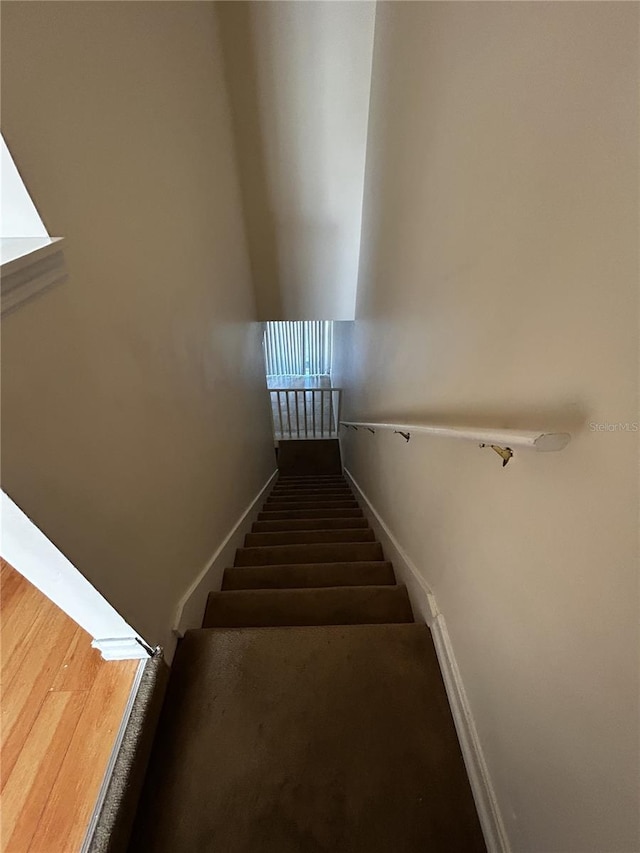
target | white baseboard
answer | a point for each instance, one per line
(495, 834)
(191, 606)
(35, 557)
(120, 648)
(407, 573)
(424, 604)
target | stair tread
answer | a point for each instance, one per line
(310, 483)
(329, 552)
(307, 482)
(302, 575)
(357, 713)
(310, 486)
(308, 500)
(280, 494)
(342, 605)
(351, 503)
(322, 512)
(290, 477)
(317, 496)
(308, 537)
(309, 524)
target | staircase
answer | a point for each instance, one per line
(308, 714)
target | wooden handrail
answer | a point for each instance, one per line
(503, 441)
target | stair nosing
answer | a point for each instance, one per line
(323, 552)
(311, 496)
(307, 590)
(283, 525)
(317, 508)
(297, 503)
(305, 532)
(311, 530)
(305, 544)
(290, 565)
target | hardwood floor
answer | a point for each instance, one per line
(61, 709)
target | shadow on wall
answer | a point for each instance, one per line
(241, 77)
(563, 417)
(298, 77)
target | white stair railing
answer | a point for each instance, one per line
(305, 413)
(502, 441)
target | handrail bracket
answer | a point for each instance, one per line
(505, 453)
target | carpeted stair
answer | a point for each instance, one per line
(309, 713)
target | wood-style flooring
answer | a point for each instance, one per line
(61, 707)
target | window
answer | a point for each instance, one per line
(298, 349)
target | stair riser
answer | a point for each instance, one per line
(303, 481)
(368, 605)
(322, 498)
(317, 478)
(310, 513)
(310, 484)
(274, 506)
(320, 491)
(307, 537)
(309, 499)
(308, 524)
(333, 478)
(324, 553)
(338, 484)
(313, 575)
(312, 496)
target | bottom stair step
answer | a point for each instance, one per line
(292, 740)
(304, 575)
(345, 605)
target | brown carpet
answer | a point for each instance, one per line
(118, 811)
(320, 456)
(329, 732)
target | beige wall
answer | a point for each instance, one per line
(299, 78)
(135, 427)
(498, 285)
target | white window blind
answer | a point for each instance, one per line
(302, 348)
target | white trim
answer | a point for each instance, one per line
(190, 609)
(29, 551)
(18, 252)
(108, 773)
(407, 573)
(120, 648)
(424, 603)
(543, 442)
(39, 267)
(495, 834)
